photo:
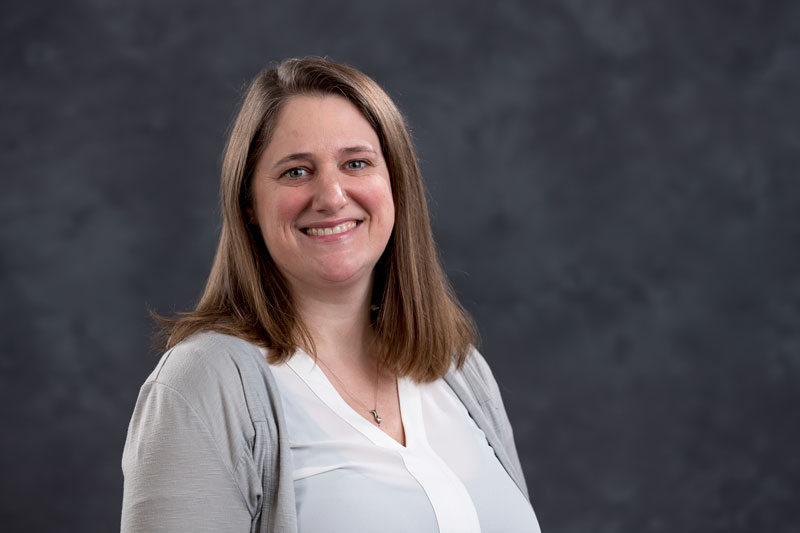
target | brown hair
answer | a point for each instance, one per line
(420, 325)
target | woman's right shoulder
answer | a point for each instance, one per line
(191, 437)
(206, 364)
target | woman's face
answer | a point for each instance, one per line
(322, 195)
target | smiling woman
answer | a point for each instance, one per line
(326, 256)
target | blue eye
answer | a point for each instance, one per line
(358, 164)
(295, 173)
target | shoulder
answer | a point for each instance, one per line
(207, 351)
(193, 423)
(203, 363)
(474, 382)
(477, 363)
(214, 377)
(475, 372)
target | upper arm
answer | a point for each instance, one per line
(176, 477)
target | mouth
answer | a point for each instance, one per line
(333, 230)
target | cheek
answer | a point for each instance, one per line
(390, 211)
(277, 213)
(286, 212)
(383, 203)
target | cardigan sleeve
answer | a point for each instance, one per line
(189, 462)
(176, 479)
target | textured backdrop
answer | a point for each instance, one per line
(615, 194)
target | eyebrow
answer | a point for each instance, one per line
(299, 156)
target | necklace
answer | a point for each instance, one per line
(374, 411)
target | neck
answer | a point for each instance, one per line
(339, 323)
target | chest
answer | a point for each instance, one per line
(349, 473)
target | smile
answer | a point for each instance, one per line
(341, 228)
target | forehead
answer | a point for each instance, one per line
(320, 123)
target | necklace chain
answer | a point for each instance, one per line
(373, 411)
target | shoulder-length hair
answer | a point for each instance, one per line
(420, 326)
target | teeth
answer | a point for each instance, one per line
(341, 228)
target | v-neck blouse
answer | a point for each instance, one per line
(351, 476)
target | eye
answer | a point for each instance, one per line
(295, 173)
(356, 164)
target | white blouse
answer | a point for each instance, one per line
(351, 476)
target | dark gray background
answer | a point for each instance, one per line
(615, 194)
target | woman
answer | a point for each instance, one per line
(326, 380)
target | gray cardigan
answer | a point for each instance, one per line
(207, 448)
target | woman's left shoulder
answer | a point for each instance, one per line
(478, 362)
(477, 370)
(475, 376)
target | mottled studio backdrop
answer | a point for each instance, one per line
(615, 194)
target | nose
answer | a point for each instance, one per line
(329, 193)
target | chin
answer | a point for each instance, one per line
(339, 277)
(344, 274)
